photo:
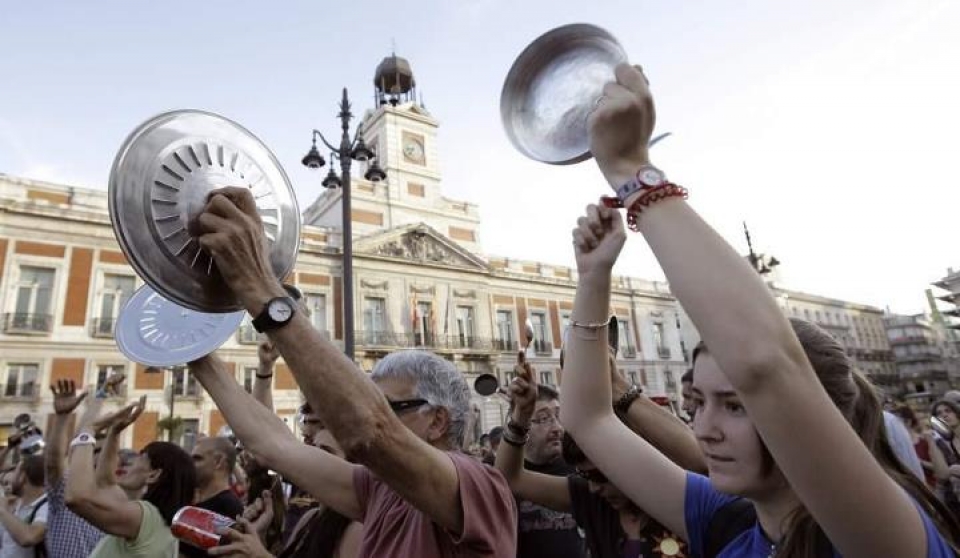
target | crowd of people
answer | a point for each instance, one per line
(781, 447)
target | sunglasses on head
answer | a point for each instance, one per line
(406, 405)
(594, 476)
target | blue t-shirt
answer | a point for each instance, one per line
(701, 501)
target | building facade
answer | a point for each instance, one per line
(858, 327)
(421, 281)
(922, 358)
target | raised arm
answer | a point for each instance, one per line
(65, 401)
(263, 381)
(348, 402)
(326, 477)
(650, 479)
(756, 349)
(549, 491)
(106, 508)
(114, 424)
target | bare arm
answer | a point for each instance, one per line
(23, 533)
(755, 347)
(940, 468)
(549, 491)
(56, 448)
(263, 380)
(348, 402)
(667, 433)
(106, 508)
(326, 477)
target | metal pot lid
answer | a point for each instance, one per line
(153, 331)
(551, 89)
(158, 186)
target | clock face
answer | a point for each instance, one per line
(413, 150)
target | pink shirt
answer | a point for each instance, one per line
(392, 527)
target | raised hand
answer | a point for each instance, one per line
(621, 125)
(65, 396)
(233, 233)
(111, 386)
(121, 418)
(598, 239)
(523, 393)
(268, 354)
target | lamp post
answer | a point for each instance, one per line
(350, 149)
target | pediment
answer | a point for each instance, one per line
(419, 244)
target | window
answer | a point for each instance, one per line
(659, 340)
(546, 378)
(188, 435)
(626, 340)
(117, 289)
(423, 325)
(34, 297)
(184, 384)
(564, 326)
(104, 371)
(668, 379)
(374, 312)
(465, 326)
(632, 376)
(316, 303)
(539, 320)
(247, 375)
(22, 380)
(505, 330)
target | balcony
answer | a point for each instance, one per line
(27, 323)
(380, 341)
(542, 347)
(663, 353)
(506, 345)
(102, 328)
(629, 352)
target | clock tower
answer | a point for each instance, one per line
(403, 134)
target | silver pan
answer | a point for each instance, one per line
(159, 184)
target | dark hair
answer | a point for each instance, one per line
(496, 434)
(178, 478)
(859, 403)
(260, 480)
(306, 409)
(547, 393)
(319, 537)
(225, 447)
(687, 377)
(907, 415)
(32, 467)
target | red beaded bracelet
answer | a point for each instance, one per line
(650, 197)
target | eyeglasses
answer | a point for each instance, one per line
(540, 420)
(406, 405)
(594, 476)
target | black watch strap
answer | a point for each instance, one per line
(622, 406)
(264, 322)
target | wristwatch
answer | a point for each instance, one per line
(83, 439)
(623, 403)
(648, 176)
(277, 313)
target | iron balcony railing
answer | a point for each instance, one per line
(27, 323)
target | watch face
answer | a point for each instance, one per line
(651, 177)
(279, 311)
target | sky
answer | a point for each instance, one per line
(829, 126)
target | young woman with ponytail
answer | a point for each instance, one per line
(793, 435)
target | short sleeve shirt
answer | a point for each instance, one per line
(68, 534)
(393, 527)
(701, 502)
(154, 539)
(8, 546)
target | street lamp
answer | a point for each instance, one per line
(349, 150)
